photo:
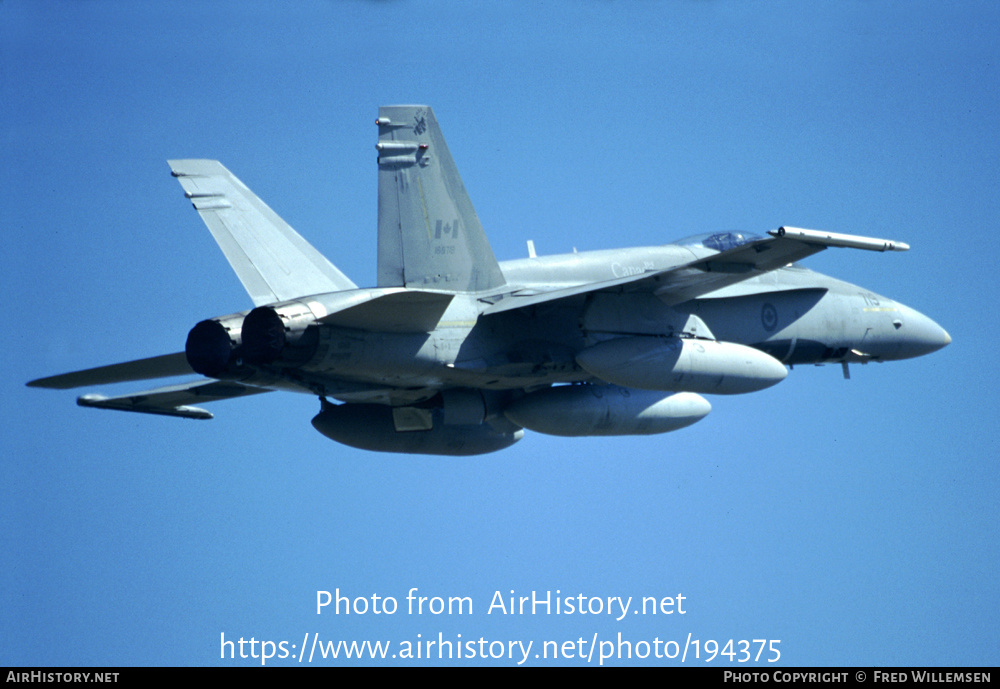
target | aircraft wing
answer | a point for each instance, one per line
(785, 245)
(715, 271)
(173, 400)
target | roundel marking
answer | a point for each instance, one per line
(769, 317)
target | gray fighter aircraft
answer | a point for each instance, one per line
(455, 353)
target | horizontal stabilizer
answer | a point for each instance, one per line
(172, 400)
(399, 311)
(272, 260)
(144, 369)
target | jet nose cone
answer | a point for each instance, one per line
(919, 334)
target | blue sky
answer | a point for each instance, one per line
(856, 521)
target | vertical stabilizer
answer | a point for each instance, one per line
(272, 260)
(428, 233)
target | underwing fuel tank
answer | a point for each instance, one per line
(371, 427)
(586, 410)
(682, 364)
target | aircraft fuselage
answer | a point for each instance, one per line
(795, 315)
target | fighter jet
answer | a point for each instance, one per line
(455, 353)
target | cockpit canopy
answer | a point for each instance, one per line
(720, 241)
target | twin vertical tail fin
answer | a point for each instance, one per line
(429, 235)
(272, 260)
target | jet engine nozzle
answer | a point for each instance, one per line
(263, 336)
(209, 348)
(280, 332)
